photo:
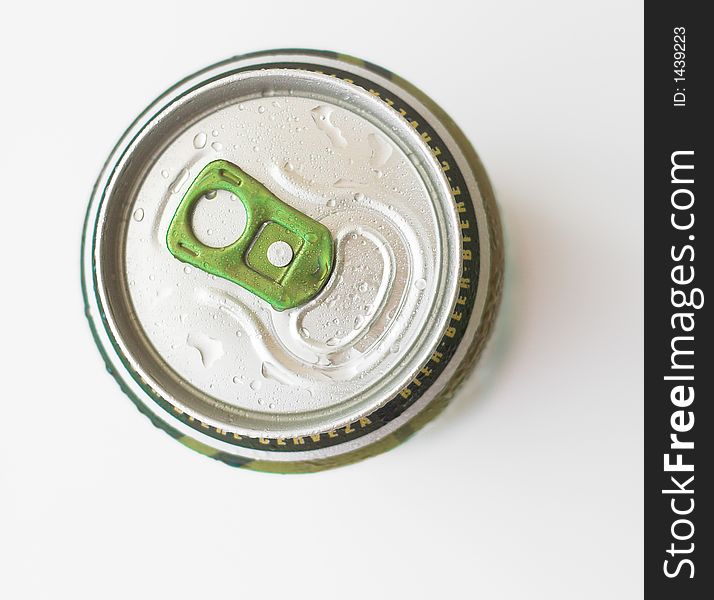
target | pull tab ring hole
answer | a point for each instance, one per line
(219, 219)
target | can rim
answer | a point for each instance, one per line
(489, 289)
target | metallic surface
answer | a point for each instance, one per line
(314, 375)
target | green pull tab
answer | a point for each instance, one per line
(298, 273)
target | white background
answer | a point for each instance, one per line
(529, 486)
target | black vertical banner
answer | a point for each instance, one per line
(679, 359)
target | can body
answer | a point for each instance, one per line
(291, 260)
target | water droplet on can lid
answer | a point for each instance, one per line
(199, 141)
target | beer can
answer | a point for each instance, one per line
(291, 259)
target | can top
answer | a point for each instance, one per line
(354, 181)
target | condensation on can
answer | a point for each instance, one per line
(379, 348)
